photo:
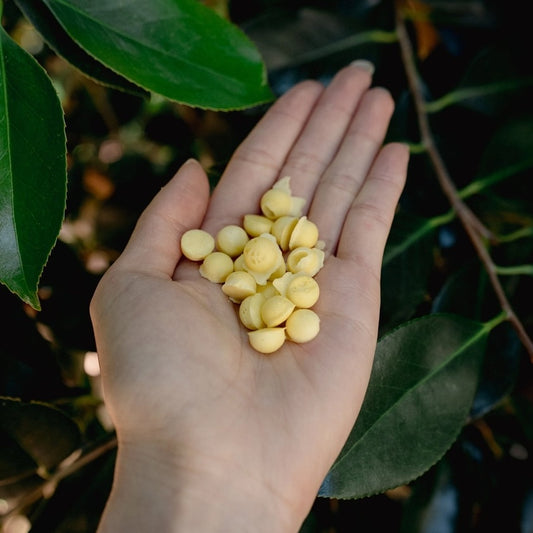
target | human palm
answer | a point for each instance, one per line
(180, 378)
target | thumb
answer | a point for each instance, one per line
(154, 246)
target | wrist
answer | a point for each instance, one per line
(153, 491)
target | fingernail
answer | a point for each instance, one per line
(364, 64)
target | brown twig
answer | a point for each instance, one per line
(65, 469)
(476, 231)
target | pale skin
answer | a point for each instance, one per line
(213, 436)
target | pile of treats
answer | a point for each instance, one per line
(267, 268)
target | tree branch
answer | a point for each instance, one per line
(475, 230)
(69, 466)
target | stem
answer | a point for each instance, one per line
(515, 270)
(518, 234)
(463, 211)
(480, 184)
(440, 220)
(65, 469)
(473, 92)
(496, 321)
(475, 230)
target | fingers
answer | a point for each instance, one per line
(325, 130)
(369, 218)
(299, 136)
(154, 246)
(257, 162)
(343, 178)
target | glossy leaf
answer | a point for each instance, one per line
(491, 82)
(181, 50)
(44, 434)
(407, 263)
(32, 169)
(509, 147)
(60, 41)
(468, 293)
(421, 389)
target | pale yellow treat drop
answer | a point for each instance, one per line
(276, 310)
(250, 311)
(197, 244)
(261, 254)
(262, 257)
(302, 290)
(276, 203)
(216, 267)
(282, 283)
(231, 240)
(282, 229)
(302, 326)
(239, 285)
(267, 340)
(307, 260)
(304, 234)
(297, 203)
(254, 225)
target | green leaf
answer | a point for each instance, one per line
(421, 389)
(32, 169)
(179, 49)
(509, 146)
(42, 432)
(60, 41)
(490, 84)
(407, 263)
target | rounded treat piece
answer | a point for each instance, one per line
(297, 203)
(238, 286)
(263, 258)
(261, 254)
(256, 224)
(306, 260)
(276, 203)
(231, 240)
(302, 326)
(267, 340)
(197, 244)
(282, 283)
(305, 233)
(250, 311)
(217, 266)
(276, 310)
(302, 290)
(282, 229)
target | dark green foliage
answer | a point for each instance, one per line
(447, 421)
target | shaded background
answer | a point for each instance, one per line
(122, 149)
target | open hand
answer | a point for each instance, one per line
(200, 416)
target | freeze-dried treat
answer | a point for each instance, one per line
(216, 267)
(267, 340)
(197, 244)
(302, 326)
(231, 240)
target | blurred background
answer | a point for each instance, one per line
(123, 148)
